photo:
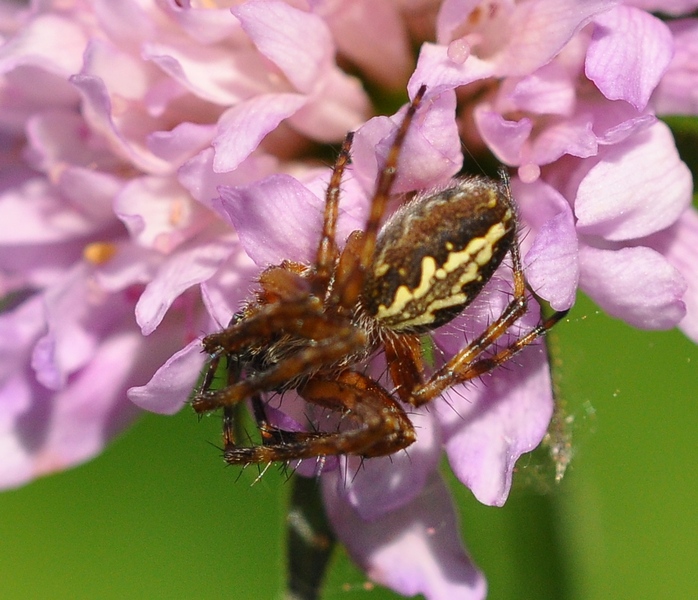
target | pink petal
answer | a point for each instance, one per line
(440, 72)
(519, 39)
(376, 487)
(361, 29)
(574, 136)
(91, 193)
(539, 29)
(34, 212)
(207, 25)
(131, 265)
(551, 264)
(127, 23)
(340, 105)
(212, 73)
(635, 284)
(67, 345)
(83, 417)
(181, 143)
(242, 128)
(97, 108)
(490, 423)
(413, 550)
(548, 91)
(679, 244)
(628, 54)
(159, 214)
(20, 328)
(505, 138)
(202, 182)
(48, 41)
(191, 264)
(669, 7)
(277, 218)
(677, 92)
(224, 292)
(639, 186)
(170, 386)
(298, 42)
(57, 137)
(514, 142)
(430, 155)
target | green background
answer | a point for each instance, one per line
(158, 516)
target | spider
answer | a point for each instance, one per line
(310, 328)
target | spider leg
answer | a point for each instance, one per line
(383, 429)
(303, 318)
(404, 357)
(346, 291)
(386, 180)
(327, 251)
(289, 369)
(468, 364)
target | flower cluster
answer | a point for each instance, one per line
(154, 161)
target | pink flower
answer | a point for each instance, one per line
(108, 181)
(154, 162)
(598, 174)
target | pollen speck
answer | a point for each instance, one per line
(99, 253)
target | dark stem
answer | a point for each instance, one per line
(310, 540)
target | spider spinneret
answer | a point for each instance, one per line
(310, 328)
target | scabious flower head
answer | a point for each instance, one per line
(154, 163)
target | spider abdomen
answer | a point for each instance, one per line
(434, 255)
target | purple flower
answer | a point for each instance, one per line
(154, 163)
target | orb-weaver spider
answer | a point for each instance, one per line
(310, 328)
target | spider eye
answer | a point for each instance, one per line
(434, 255)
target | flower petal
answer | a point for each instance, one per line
(680, 246)
(277, 218)
(440, 72)
(181, 143)
(628, 54)
(159, 213)
(68, 344)
(431, 152)
(505, 138)
(224, 292)
(677, 92)
(413, 550)
(636, 284)
(298, 42)
(491, 422)
(51, 42)
(168, 390)
(378, 486)
(360, 29)
(639, 186)
(242, 128)
(669, 7)
(551, 263)
(58, 430)
(192, 263)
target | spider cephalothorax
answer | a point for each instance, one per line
(311, 328)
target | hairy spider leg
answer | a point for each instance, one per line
(327, 251)
(346, 290)
(385, 427)
(299, 318)
(324, 352)
(404, 357)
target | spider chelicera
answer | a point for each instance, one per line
(311, 328)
